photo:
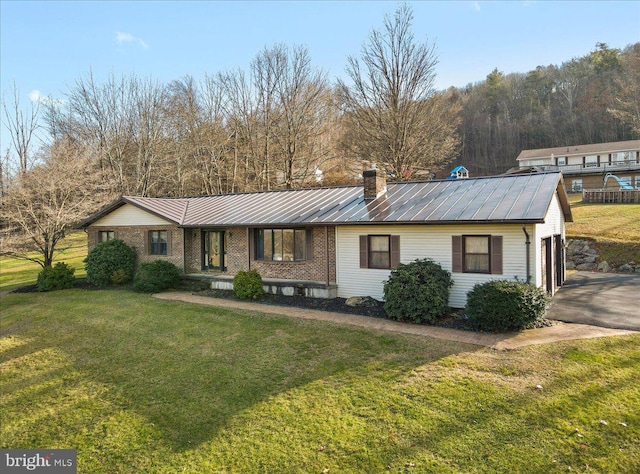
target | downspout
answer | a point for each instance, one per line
(184, 250)
(326, 246)
(528, 252)
(248, 249)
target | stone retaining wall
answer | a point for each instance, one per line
(581, 256)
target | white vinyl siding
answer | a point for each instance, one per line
(129, 215)
(423, 241)
(553, 225)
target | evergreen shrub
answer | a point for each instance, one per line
(156, 276)
(107, 258)
(503, 305)
(58, 277)
(248, 285)
(417, 292)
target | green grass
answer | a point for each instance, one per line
(141, 385)
(614, 227)
(15, 272)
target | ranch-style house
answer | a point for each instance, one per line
(343, 241)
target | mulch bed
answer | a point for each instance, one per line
(455, 318)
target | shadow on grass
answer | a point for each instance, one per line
(185, 369)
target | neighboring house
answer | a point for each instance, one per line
(585, 166)
(344, 241)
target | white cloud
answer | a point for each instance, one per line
(476, 6)
(122, 37)
(36, 96)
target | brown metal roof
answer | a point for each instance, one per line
(610, 147)
(504, 199)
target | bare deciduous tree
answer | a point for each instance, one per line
(42, 204)
(22, 126)
(299, 90)
(391, 105)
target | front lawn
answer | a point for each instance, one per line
(142, 385)
(17, 272)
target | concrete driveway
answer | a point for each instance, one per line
(609, 300)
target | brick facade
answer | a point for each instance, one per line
(314, 269)
(136, 237)
(596, 181)
(186, 251)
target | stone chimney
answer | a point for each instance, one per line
(375, 182)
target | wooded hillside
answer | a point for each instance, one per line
(591, 99)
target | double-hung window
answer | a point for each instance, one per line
(476, 254)
(158, 242)
(104, 235)
(379, 251)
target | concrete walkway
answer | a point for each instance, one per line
(560, 332)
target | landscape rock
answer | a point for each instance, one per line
(625, 268)
(361, 302)
(586, 266)
(604, 267)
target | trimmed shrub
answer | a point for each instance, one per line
(156, 276)
(417, 292)
(106, 258)
(503, 305)
(58, 277)
(248, 285)
(120, 277)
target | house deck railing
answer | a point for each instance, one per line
(616, 166)
(611, 196)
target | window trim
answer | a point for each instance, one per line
(394, 251)
(465, 253)
(160, 243)
(305, 241)
(370, 252)
(495, 254)
(102, 232)
(576, 185)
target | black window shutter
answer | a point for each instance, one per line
(456, 254)
(395, 251)
(496, 254)
(169, 243)
(364, 252)
(147, 242)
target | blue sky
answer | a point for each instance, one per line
(45, 46)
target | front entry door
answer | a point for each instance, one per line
(214, 251)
